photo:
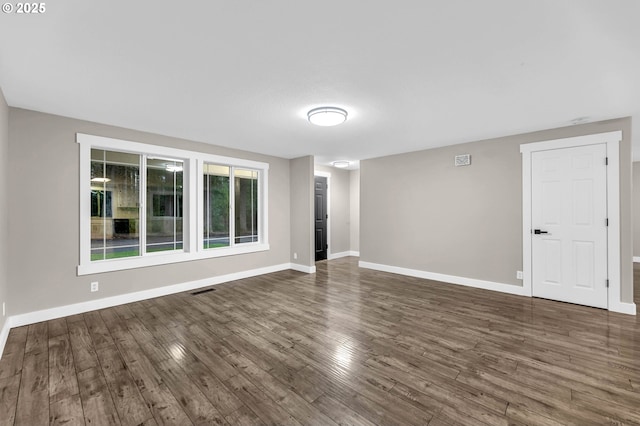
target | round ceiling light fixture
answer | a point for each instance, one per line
(342, 164)
(327, 116)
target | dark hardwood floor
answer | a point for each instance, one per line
(343, 346)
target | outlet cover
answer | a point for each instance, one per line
(295, 255)
(94, 286)
(4, 309)
(519, 275)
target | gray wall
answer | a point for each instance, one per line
(4, 206)
(636, 209)
(354, 198)
(301, 190)
(339, 205)
(418, 211)
(44, 216)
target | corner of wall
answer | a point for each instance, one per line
(4, 220)
(301, 172)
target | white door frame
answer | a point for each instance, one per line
(612, 140)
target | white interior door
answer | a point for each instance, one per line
(569, 224)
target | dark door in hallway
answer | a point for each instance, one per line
(321, 217)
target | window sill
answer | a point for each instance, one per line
(163, 259)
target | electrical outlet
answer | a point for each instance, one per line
(295, 255)
(4, 309)
(94, 286)
(519, 275)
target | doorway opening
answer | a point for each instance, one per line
(321, 217)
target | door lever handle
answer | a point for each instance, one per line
(537, 232)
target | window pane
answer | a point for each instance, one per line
(115, 195)
(164, 205)
(246, 205)
(216, 206)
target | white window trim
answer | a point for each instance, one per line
(192, 238)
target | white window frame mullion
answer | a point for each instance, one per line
(263, 213)
(175, 208)
(142, 215)
(85, 207)
(198, 204)
(232, 206)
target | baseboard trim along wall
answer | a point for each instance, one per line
(469, 282)
(620, 307)
(343, 254)
(107, 302)
(636, 259)
(303, 268)
(623, 307)
(4, 334)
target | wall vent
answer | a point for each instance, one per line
(462, 160)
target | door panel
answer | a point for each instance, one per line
(553, 261)
(320, 218)
(569, 208)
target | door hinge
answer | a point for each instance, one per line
(607, 283)
(606, 222)
(327, 216)
(326, 246)
(606, 161)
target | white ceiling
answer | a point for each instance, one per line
(412, 74)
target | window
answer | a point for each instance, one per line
(246, 205)
(164, 204)
(216, 206)
(144, 205)
(230, 194)
(115, 176)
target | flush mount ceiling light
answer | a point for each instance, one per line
(101, 180)
(327, 116)
(341, 164)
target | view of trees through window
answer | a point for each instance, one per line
(216, 202)
(246, 205)
(126, 186)
(164, 204)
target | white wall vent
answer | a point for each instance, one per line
(462, 160)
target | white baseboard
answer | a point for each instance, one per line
(620, 307)
(107, 302)
(469, 282)
(636, 259)
(623, 308)
(4, 334)
(303, 268)
(343, 254)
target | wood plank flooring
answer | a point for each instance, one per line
(342, 346)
